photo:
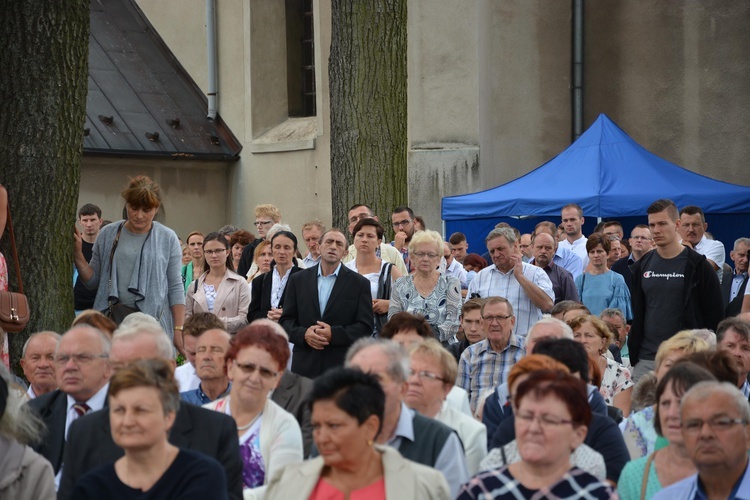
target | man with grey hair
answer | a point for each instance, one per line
(616, 319)
(210, 352)
(716, 434)
(38, 362)
(82, 373)
(416, 437)
(734, 289)
(733, 336)
(212, 433)
(527, 287)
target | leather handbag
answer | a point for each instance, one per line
(116, 311)
(14, 307)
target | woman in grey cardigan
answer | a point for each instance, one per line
(136, 262)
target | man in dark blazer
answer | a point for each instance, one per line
(734, 287)
(212, 433)
(326, 309)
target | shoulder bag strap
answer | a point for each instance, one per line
(644, 482)
(15, 252)
(384, 284)
(112, 257)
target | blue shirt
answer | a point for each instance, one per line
(691, 488)
(325, 287)
(199, 398)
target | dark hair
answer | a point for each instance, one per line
(242, 237)
(568, 352)
(597, 239)
(263, 337)
(567, 305)
(568, 389)
(90, 209)
(719, 363)
(288, 234)
(369, 222)
(546, 226)
(332, 230)
(420, 219)
(155, 373)
(457, 238)
(682, 376)
(402, 321)
(357, 205)
(612, 223)
(693, 210)
(472, 305)
(404, 208)
(199, 322)
(598, 228)
(662, 205)
(741, 327)
(142, 193)
(222, 240)
(475, 260)
(354, 392)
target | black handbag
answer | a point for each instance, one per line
(384, 292)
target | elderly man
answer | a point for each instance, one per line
(716, 433)
(563, 257)
(211, 433)
(544, 246)
(486, 364)
(693, 227)
(311, 232)
(527, 287)
(82, 373)
(736, 287)
(614, 318)
(640, 243)
(194, 327)
(416, 437)
(38, 362)
(210, 349)
(733, 336)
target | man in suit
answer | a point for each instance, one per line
(83, 375)
(734, 290)
(326, 309)
(211, 433)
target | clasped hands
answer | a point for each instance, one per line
(318, 335)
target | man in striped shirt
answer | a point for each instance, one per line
(527, 287)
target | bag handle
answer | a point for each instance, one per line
(111, 258)
(9, 225)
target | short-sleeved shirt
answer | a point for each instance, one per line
(714, 251)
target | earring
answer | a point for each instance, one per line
(370, 442)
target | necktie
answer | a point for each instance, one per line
(81, 409)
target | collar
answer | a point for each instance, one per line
(549, 266)
(95, 402)
(278, 275)
(493, 267)
(405, 425)
(204, 397)
(484, 344)
(30, 392)
(334, 273)
(310, 258)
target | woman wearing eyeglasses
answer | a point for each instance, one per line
(270, 438)
(427, 292)
(219, 289)
(552, 418)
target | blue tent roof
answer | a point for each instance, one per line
(609, 175)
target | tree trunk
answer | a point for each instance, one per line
(367, 73)
(42, 110)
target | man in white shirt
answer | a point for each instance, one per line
(38, 363)
(575, 241)
(195, 325)
(311, 233)
(693, 227)
(454, 267)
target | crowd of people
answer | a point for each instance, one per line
(555, 365)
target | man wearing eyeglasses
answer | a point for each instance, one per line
(385, 251)
(82, 371)
(716, 434)
(265, 217)
(735, 289)
(402, 220)
(640, 243)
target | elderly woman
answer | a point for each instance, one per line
(600, 288)
(143, 402)
(638, 430)
(552, 418)
(270, 438)
(219, 289)
(432, 375)
(23, 472)
(268, 289)
(347, 415)
(617, 386)
(644, 477)
(237, 242)
(584, 457)
(135, 265)
(368, 235)
(427, 292)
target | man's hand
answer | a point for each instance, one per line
(313, 339)
(275, 314)
(517, 260)
(324, 330)
(399, 240)
(380, 306)
(77, 242)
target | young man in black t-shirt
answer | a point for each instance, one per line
(90, 220)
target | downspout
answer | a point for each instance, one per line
(211, 50)
(577, 69)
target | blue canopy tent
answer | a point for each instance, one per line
(610, 176)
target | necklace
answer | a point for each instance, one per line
(250, 424)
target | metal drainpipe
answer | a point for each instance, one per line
(211, 49)
(577, 89)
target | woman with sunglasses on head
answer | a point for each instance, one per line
(219, 289)
(270, 438)
(427, 292)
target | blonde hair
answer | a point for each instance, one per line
(600, 326)
(269, 211)
(427, 236)
(431, 348)
(685, 341)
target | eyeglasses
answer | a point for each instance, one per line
(421, 255)
(498, 318)
(214, 252)
(356, 218)
(401, 223)
(79, 359)
(719, 424)
(544, 420)
(259, 223)
(249, 369)
(422, 375)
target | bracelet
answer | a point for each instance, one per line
(87, 267)
(178, 328)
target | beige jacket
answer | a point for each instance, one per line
(404, 479)
(24, 473)
(231, 304)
